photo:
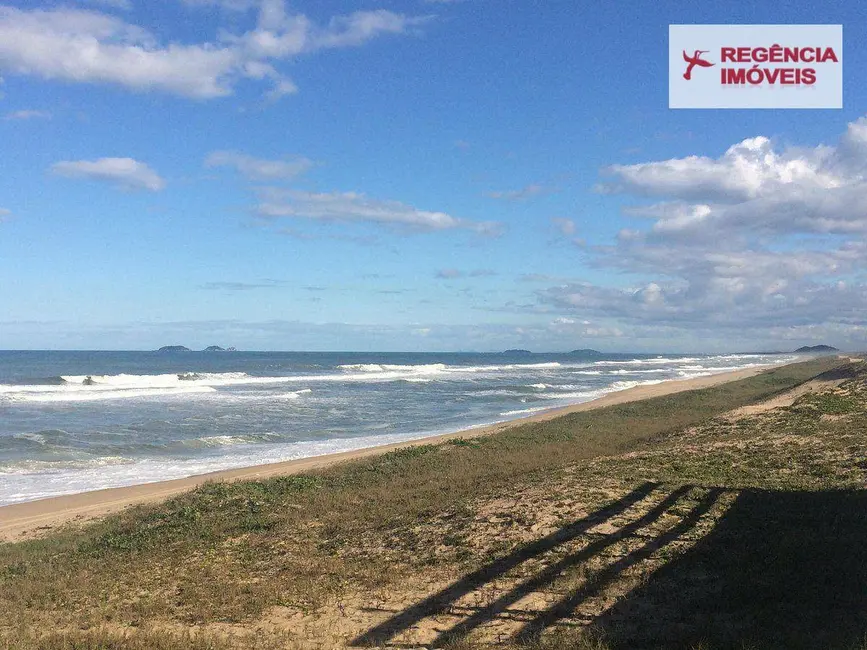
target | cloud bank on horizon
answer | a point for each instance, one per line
(728, 247)
(368, 178)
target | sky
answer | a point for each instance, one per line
(451, 175)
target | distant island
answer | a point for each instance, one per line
(584, 352)
(184, 348)
(587, 352)
(817, 348)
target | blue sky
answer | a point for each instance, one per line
(374, 175)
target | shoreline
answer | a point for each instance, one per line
(27, 519)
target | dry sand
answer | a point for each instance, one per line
(23, 520)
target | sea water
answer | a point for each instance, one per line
(77, 421)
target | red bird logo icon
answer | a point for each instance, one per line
(693, 61)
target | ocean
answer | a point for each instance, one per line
(77, 421)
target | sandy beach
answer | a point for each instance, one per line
(582, 524)
(23, 520)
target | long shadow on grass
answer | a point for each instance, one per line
(779, 570)
(472, 581)
(548, 575)
(607, 576)
(537, 622)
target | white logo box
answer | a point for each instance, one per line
(755, 66)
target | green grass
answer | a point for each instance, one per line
(139, 640)
(827, 404)
(226, 552)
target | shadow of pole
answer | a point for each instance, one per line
(550, 573)
(780, 569)
(566, 606)
(472, 581)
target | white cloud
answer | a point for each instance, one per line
(280, 35)
(745, 171)
(90, 47)
(761, 239)
(361, 26)
(124, 173)
(260, 169)
(27, 115)
(357, 207)
(343, 207)
(722, 289)
(753, 187)
(734, 304)
(85, 46)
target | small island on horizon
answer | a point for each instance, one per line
(184, 348)
(582, 351)
(587, 352)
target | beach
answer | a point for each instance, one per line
(21, 520)
(432, 325)
(558, 531)
(77, 422)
